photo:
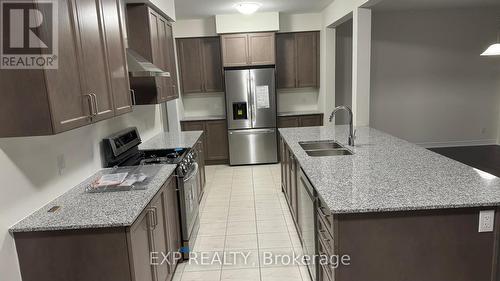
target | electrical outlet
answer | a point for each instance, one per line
(486, 220)
(61, 163)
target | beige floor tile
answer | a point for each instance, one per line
(274, 240)
(272, 226)
(246, 274)
(209, 244)
(246, 241)
(241, 258)
(304, 272)
(201, 276)
(263, 216)
(212, 229)
(277, 257)
(241, 227)
(280, 273)
(235, 216)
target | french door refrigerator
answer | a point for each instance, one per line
(251, 116)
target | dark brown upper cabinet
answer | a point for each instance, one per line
(150, 35)
(89, 85)
(297, 62)
(200, 65)
(248, 49)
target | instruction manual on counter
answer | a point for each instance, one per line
(262, 93)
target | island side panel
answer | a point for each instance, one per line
(432, 245)
(76, 255)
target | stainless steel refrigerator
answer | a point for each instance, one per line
(251, 116)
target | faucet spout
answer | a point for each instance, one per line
(352, 134)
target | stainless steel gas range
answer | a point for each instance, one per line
(122, 149)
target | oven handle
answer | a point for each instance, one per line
(192, 173)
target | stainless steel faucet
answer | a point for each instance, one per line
(352, 133)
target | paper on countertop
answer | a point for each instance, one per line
(262, 93)
(133, 179)
(111, 179)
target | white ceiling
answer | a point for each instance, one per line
(398, 5)
(193, 9)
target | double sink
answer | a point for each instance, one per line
(324, 148)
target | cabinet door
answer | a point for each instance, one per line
(311, 120)
(94, 57)
(164, 56)
(69, 104)
(117, 60)
(193, 126)
(155, 29)
(261, 48)
(173, 222)
(212, 66)
(285, 60)
(234, 50)
(216, 140)
(160, 235)
(307, 59)
(172, 66)
(141, 245)
(288, 122)
(190, 61)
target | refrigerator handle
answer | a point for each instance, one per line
(254, 101)
(249, 92)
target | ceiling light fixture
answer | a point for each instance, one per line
(494, 49)
(247, 8)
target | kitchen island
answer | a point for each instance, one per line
(399, 211)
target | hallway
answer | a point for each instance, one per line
(244, 211)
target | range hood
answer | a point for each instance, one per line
(140, 67)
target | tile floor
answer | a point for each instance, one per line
(244, 210)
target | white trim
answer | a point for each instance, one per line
(458, 143)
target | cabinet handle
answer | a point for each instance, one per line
(155, 216)
(150, 219)
(95, 104)
(134, 102)
(91, 104)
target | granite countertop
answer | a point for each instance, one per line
(388, 174)
(82, 210)
(171, 140)
(204, 118)
(297, 113)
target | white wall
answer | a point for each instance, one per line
(194, 28)
(300, 22)
(30, 177)
(343, 69)
(235, 23)
(429, 84)
(204, 104)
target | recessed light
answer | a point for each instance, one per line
(247, 8)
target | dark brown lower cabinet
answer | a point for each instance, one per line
(431, 245)
(107, 254)
(289, 170)
(300, 121)
(216, 142)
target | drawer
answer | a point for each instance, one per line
(325, 215)
(325, 237)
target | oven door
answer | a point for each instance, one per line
(189, 202)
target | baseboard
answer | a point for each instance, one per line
(458, 143)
